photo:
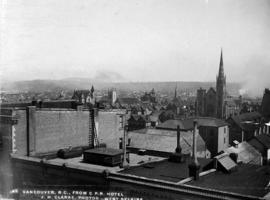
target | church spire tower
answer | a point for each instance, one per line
(221, 69)
(220, 90)
(175, 92)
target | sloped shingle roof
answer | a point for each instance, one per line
(164, 140)
(243, 119)
(187, 124)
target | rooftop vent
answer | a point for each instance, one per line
(235, 143)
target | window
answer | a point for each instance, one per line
(121, 121)
(224, 129)
(224, 140)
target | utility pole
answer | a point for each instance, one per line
(125, 164)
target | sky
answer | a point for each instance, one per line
(136, 40)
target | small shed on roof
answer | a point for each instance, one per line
(103, 156)
(225, 162)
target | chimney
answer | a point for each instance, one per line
(194, 167)
(124, 164)
(178, 147)
(177, 156)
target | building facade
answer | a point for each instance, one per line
(212, 102)
(220, 90)
(84, 96)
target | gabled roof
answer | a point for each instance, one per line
(257, 145)
(187, 124)
(246, 121)
(211, 89)
(247, 116)
(263, 139)
(79, 93)
(227, 162)
(164, 140)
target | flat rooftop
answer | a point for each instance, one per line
(135, 160)
(247, 180)
(165, 170)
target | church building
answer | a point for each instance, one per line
(212, 102)
(84, 97)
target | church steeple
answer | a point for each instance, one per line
(220, 90)
(175, 92)
(221, 69)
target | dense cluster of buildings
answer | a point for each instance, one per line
(139, 146)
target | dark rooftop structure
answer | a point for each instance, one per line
(262, 144)
(246, 180)
(265, 106)
(246, 121)
(264, 139)
(103, 156)
(166, 170)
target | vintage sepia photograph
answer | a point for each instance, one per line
(134, 99)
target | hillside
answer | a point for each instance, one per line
(84, 83)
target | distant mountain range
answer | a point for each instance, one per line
(85, 83)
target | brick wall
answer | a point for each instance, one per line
(49, 130)
(53, 129)
(60, 129)
(5, 150)
(109, 128)
(20, 132)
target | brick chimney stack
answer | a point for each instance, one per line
(178, 147)
(194, 167)
(177, 155)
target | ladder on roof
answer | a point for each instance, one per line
(93, 139)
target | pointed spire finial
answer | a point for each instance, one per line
(221, 70)
(175, 91)
(92, 89)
